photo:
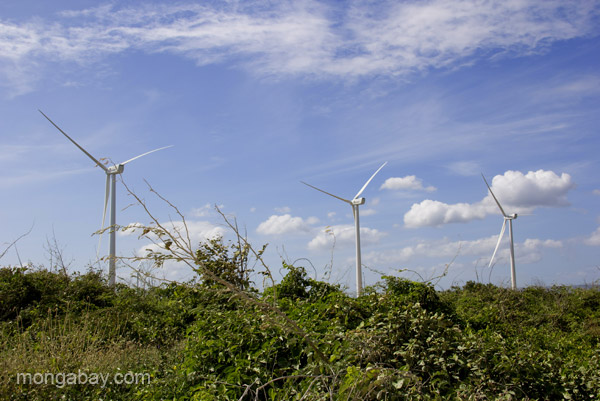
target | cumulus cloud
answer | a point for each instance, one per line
(408, 183)
(129, 229)
(529, 251)
(198, 232)
(594, 238)
(517, 192)
(284, 209)
(285, 224)
(436, 213)
(312, 220)
(443, 248)
(300, 37)
(343, 235)
(534, 189)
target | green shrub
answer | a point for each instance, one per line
(401, 340)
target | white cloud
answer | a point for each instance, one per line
(312, 220)
(534, 189)
(438, 33)
(596, 191)
(202, 211)
(368, 212)
(343, 235)
(197, 231)
(435, 213)
(284, 224)
(331, 215)
(130, 229)
(594, 238)
(529, 251)
(574, 87)
(410, 182)
(284, 209)
(517, 192)
(301, 37)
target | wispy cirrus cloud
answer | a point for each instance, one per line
(307, 38)
(465, 168)
(32, 176)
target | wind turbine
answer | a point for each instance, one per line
(509, 218)
(355, 203)
(111, 173)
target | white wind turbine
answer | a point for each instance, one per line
(509, 218)
(111, 173)
(355, 203)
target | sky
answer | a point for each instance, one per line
(256, 96)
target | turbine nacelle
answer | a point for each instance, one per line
(116, 169)
(358, 201)
(509, 218)
(111, 173)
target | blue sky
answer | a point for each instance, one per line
(256, 96)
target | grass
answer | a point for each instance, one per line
(401, 340)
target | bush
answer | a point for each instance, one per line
(401, 340)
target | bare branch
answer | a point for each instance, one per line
(56, 254)
(181, 250)
(17, 240)
(257, 255)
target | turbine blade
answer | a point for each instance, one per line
(75, 143)
(327, 193)
(106, 194)
(147, 153)
(498, 243)
(494, 196)
(367, 183)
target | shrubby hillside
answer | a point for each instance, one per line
(299, 339)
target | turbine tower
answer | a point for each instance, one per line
(509, 218)
(355, 203)
(111, 173)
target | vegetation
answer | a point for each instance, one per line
(219, 338)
